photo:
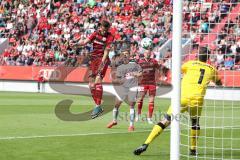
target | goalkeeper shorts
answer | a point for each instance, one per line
(191, 105)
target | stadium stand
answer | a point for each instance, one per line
(43, 37)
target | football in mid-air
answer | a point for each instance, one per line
(146, 43)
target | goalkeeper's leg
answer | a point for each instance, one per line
(157, 130)
(195, 113)
(195, 132)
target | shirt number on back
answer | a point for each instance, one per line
(201, 76)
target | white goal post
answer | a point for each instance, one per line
(176, 79)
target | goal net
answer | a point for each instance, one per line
(216, 25)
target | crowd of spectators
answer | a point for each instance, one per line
(200, 19)
(40, 31)
(226, 52)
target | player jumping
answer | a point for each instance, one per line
(102, 40)
(197, 76)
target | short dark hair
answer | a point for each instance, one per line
(203, 54)
(105, 24)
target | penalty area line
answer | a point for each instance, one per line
(68, 135)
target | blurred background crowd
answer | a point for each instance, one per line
(40, 31)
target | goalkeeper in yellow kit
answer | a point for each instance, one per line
(197, 75)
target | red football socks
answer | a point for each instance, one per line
(98, 93)
(150, 109)
(140, 103)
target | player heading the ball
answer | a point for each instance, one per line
(99, 61)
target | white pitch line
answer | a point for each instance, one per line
(84, 134)
(68, 135)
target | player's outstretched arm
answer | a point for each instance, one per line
(81, 42)
(84, 42)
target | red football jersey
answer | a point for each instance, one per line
(100, 42)
(149, 68)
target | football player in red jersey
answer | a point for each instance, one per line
(101, 40)
(148, 83)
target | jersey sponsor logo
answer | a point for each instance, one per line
(50, 74)
(146, 63)
(97, 42)
(147, 69)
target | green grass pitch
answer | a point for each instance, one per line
(31, 131)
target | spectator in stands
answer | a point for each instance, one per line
(237, 61)
(31, 23)
(213, 58)
(20, 61)
(224, 8)
(204, 27)
(229, 62)
(220, 59)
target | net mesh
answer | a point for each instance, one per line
(216, 25)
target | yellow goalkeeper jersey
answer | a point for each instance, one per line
(197, 76)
